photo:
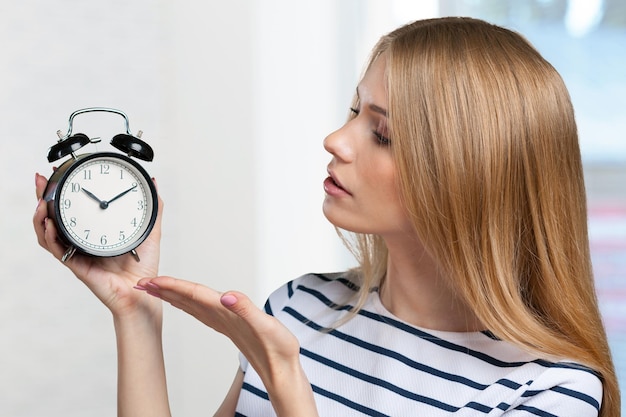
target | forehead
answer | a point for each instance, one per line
(373, 86)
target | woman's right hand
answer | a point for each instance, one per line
(110, 279)
(137, 318)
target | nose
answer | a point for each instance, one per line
(339, 144)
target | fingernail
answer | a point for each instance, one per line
(153, 286)
(140, 287)
(153, 294)
(228, 300)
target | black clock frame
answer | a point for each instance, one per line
(68, 144)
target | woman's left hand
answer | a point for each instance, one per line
(265, 342)
(272, 350)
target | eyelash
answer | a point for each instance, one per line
(382, 140)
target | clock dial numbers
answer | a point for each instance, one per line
(106, 205)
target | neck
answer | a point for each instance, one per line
(416, 291)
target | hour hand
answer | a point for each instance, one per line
(103, 204)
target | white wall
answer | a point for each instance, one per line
(236, 98)
(298, 100)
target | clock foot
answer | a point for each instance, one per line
(135, 255)
(68, 254)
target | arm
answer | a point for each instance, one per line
(272, 350)
(227, 409)
(137, 320)
(141, 383)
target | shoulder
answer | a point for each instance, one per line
(314, 291)
(331, 289)
(563, 388)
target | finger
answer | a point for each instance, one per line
(159, 217)
(241, 306)
(197, 300)
(41, 213)
(160, 201)
(40, 185)
(180, 293)
(157, 224)
(51, 240)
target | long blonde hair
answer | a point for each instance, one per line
(486, 149)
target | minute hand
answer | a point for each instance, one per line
(121, 194)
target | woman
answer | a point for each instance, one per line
(459, 177)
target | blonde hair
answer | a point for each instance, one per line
(489, 167)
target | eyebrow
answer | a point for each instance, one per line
(378, 109)
(373, 107)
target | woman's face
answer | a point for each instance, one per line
(361, 190)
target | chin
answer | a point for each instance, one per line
(342, 220)
(334, 216)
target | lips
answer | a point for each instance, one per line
(333, 187)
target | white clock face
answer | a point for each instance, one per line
(105, 206)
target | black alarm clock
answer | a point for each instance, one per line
(103, 204)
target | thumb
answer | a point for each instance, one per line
(237, 302)
(40, 185)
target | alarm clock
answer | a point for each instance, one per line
(103, 204)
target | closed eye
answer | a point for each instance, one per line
(380, 138)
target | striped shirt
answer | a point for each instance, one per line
(378, 365)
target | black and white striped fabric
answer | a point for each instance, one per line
(378, 365)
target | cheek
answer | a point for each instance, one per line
(384, 186)
(384, 180)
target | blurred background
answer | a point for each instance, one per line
(236, 97)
